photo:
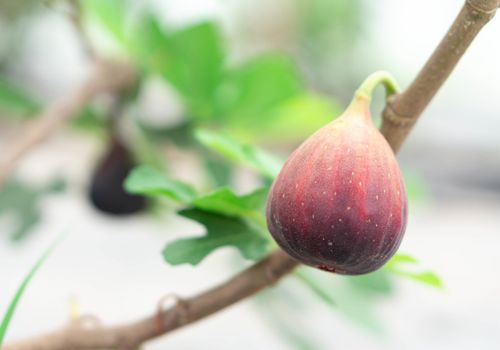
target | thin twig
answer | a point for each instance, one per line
(105, 77)
(400, 115)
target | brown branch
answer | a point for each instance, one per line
(130, 336)
(106, 76)
(399, 116)
(403, 110)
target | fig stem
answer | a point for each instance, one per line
(366, 89)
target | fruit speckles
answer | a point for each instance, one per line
(344, 209)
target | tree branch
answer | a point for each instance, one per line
(130, 336)
(402, 111)
(400, 115)
(106, 76)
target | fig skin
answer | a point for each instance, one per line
(106, 191)
(339, 202)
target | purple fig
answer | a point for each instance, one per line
(106, 190)
(339, 203)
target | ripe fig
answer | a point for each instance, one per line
(339, 202)
(106, 189)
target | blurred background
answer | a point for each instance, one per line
(262, 74)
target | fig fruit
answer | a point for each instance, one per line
(106, 190)
(339, 202)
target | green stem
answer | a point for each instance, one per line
(380, 77)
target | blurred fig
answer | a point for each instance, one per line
(106, 190)
(339, 203)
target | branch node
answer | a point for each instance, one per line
(391, 116)
(178, 308)
(479, 10)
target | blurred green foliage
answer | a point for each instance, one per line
(221, 231)
(356, 297)
(291, 324)
(17, 103)
(14, 101)
(224, 201)
(240, 153)
(21, 200)
(111, 14)
(228, 219)
(149, 181)
(253, 99)
(407, 266)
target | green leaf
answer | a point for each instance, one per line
(230, 220)
(14, 101)
(17, 297)
(407, 266)
(110, 14)
(241, 153)
(191, 59)
(90, 120)
(401, 258)
(145, 180)
(220, 231)
(224, 201)
(248, 92)
(426, 277)
(150, 46)
(219, 170)
(199, 66)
